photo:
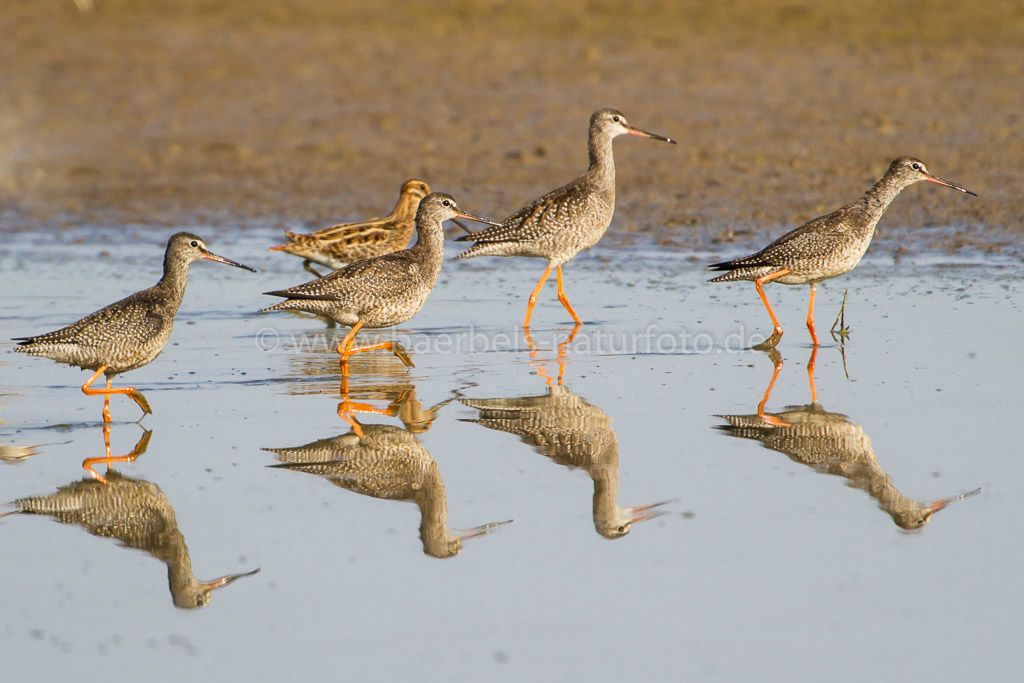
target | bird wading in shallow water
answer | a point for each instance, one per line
(565, 221)
(129, 333)
(827, 246)
(382, 291)
(338, 245)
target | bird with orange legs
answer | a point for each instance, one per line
(568, 220)
(825, 247)
(383, 291)
(129, 333)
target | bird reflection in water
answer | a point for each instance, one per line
(387, 462)
(831, 443)
(136, 513)
(563, 426)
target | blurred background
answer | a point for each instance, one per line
(304, 112)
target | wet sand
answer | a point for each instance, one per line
(303, 113)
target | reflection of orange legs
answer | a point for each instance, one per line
(776, 359)
(562, 346)
(347, 409)
(565, 299)
(535, 293)
(345, 347)
(759, 283)
(810, 317)
(109, 459)
(131, 392)
(810, 373)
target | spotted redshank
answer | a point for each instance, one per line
(565, 221)
(827, 246)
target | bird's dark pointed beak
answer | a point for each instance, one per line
(210, 256)
(946, 183)
(230, 578)
(653, 136)
(481, 530)
(478, 219)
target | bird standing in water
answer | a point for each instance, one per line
(382, 291)
(338, 245)
(827, 246)
(129, 333)
(565, 221)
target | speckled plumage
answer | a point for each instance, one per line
(345, 243)
(382, 291)
(136, 513)
(563, 426)
(829, 245)
(388, 463)
(831, 444)
(570, 219)
(131, 332)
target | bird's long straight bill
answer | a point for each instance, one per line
(478, 219)
(210, 256)
(653, 136)
(946, 183)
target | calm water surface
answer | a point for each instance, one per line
(779, 555)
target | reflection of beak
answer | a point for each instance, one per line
(943, 503)
(642, 513)
(210, 256)
(946, 183)
(653, 136)
(481, 530)
(230, 578)
(478, 219)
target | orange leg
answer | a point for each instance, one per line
(393, 347)
(109, 459)
(810, 374)
(810, 317)
(131, 392)
(773, 340)
(771, 419)
(345, 345)
(534, 294)
(565, 299)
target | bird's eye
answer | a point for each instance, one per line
(916, 166)
(446, 203)
(423, 187)
(616, 119)
(194, 243)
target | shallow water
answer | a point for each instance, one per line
(760, 566)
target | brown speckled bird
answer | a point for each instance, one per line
(565, 221)
(827, 246)
(386, 462)
(338, 245)
(138, 514)
(129, 333)
(382, 291)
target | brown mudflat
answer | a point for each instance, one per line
(300, 112)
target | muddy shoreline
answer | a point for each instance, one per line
(298, 113)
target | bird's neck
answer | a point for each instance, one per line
(405, 209)
(880, 196)
(429, 240)
(174, 277)
(867, 476)
(602, 162)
